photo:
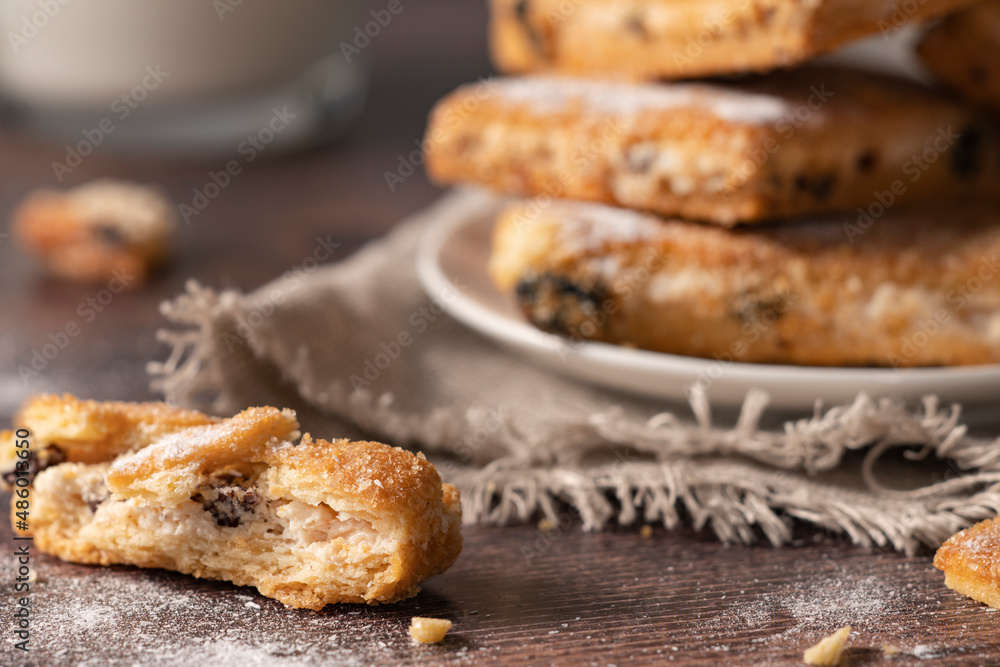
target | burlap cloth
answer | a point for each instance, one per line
(521, 443)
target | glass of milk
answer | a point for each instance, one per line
(183, 76)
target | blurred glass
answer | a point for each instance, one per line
(183, 76)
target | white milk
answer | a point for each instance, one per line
(180, 76)
(85, 53)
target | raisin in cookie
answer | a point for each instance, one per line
(308, 524)
(65, 428)
(912, 288)
(98, 232)
(803, 142)
(668, 39)
(963, 51)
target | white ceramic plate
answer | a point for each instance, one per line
(452, 259)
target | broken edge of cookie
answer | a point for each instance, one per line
(308, 524)
(66, 428)
(970, 560)
(828, 651)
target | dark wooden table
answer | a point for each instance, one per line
(518, 595)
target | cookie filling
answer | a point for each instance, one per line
(557, 304)
(35, 463)
(229, 497)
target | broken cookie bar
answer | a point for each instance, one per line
(814, 140)
(65, 428)
(910, 289)
(970, 560)
(668, 39)
(963, 51)
(307, 524)
(99, 232)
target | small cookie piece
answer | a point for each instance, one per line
(671, 39)
(912, 288)
(829, 650)
(970, 560)
(963, 51)
(429, 630)
(814, 140)
(102, 231)
(65, 428)
(307, 524)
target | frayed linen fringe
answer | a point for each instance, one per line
(739, 482)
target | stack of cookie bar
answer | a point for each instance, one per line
(819, 215)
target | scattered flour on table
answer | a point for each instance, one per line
(140, 617)
(809, 605)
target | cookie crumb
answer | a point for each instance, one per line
(646, 531)
(429, 630)
(828, 651)
(546, 524)
(889, 649)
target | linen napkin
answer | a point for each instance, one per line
(358, 350)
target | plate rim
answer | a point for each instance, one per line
(506, 330)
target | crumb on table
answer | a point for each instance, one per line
(429, 630)
(828, 651)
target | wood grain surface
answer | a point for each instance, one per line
(518, 595)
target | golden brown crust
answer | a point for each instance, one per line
(308, 524)
(915, 288)
(92, 431)
(810, 141)
(667, 39)
(103, 231)
(970, 560)
(168, 468)
(963, 51)
(399, 493)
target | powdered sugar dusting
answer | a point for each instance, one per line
(260, 424)
(595, 225)
(214, 625)
(174, 447)
(727, 103)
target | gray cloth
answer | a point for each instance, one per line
(519, 442)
